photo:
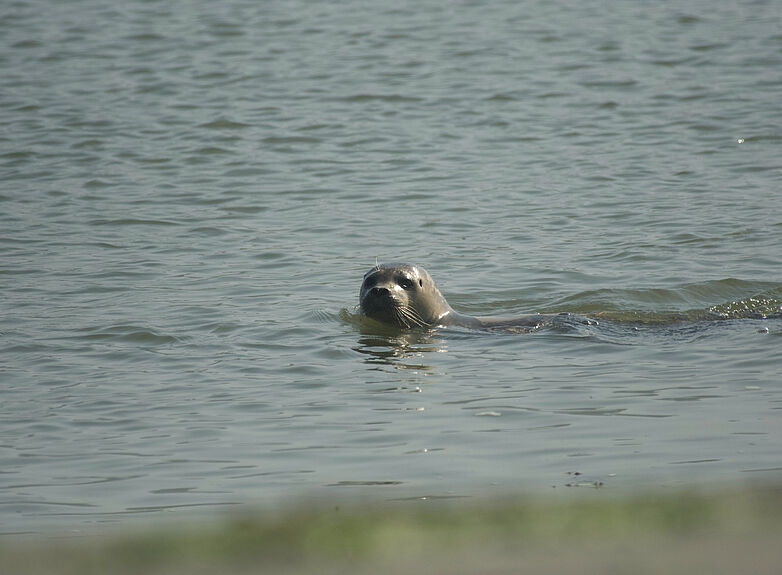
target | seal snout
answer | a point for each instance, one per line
(378, 298)
(379, 291)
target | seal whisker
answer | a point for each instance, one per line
(412, 316)
(415, 316)
(401, 318)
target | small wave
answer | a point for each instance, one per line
(325, 316)
(689, 302)
(132, 222)
(223, 124)
(291, 140)
(130, 333)
(211, 151)
(380, 98)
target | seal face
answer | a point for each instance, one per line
(405, 295)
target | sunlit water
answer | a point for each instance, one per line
(191, 193)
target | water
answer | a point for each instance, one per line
(192, 192)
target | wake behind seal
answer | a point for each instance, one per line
(405, 295)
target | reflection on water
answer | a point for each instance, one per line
(388, 345)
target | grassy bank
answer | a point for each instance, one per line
(738, 531)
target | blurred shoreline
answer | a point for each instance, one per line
(728, 531)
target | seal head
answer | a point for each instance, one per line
(404, 295)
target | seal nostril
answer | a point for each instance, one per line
(379, 291)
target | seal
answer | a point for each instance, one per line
(406, 296)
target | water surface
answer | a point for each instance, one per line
(191, 194)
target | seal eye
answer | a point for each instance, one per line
(405, 283)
